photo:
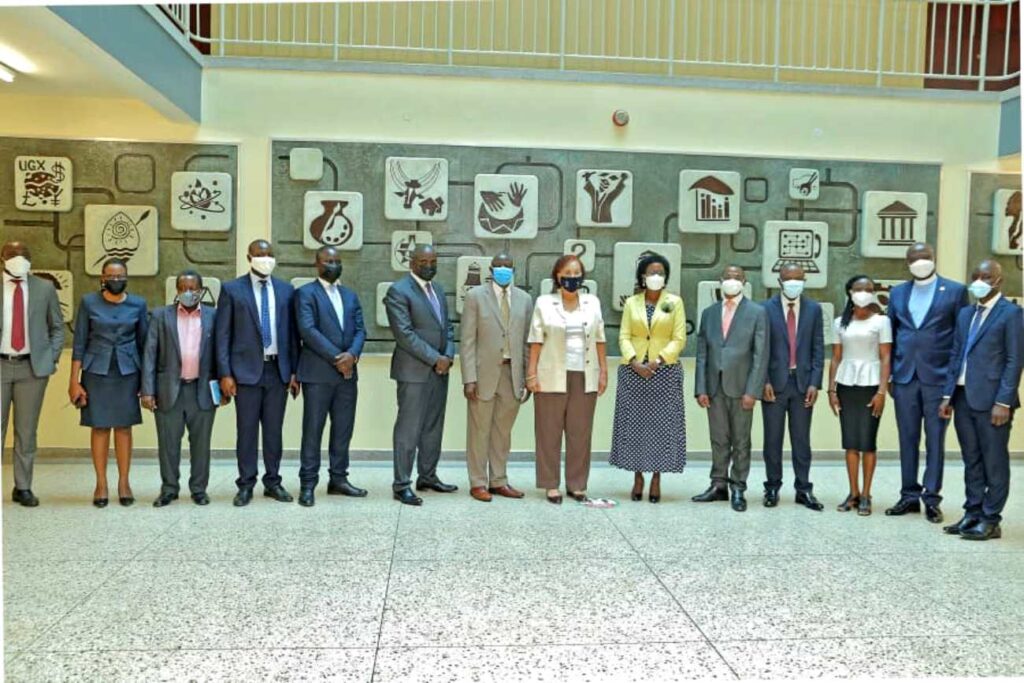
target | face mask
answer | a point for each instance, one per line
(18, 266)
(115, 287)
(979, 289)
(922, 269)
(570, 284)
(427, 271)
(190, 298)
(330, 271)
(862, 299)
(792, 288)
(731, 287)
(502, 275)
(263, 265)
(655, 283)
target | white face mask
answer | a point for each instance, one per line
(731, 287)
(922, 269)
(862, 299)
(264, 265)
(792, 288)
(18, 266)
(655, 283)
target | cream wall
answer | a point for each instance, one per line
(251, 107)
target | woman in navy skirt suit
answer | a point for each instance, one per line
(106, 366)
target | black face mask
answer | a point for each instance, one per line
(115, 287)
(571, 284)
(330, 271)
(427, 271)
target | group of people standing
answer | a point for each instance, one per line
(937, 355)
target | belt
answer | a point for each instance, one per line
(270, 359)
(8, 356)
(189, 381)
(792, 371)
(506, 361)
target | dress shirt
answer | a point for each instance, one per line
(738, 299)
(986, 308)
(922, 293)
(504, 293)
(334, 294)
(190, 336)
(5, 344)
(256, 280)
(786, 303)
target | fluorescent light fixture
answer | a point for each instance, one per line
(6, 75)
(16, 60)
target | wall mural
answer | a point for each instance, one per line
(838, 218)
(163, 207)
(994, 226)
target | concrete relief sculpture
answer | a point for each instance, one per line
(802, 242)
(380, 312)
(470, 271)
(1006, 225)
(804, 183)
(891, 222)
(333, 219)
(505, 206)
(42, 183)
(416, 189)
(125, 232)
(63, 282)
(201, 201)
(709, 202)
(585, 250)
(604, 199)
(403, 242)
(306, 163)
(211, 290)
(628, 254)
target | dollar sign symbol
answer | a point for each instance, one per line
(58, 172)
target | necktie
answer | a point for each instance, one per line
(265, 315)
(972, 333)
(791, 329)
(336, 296)
(506, 316)
(730, 309)
(434, 303)
(18, 318)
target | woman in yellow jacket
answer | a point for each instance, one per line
(649, 433)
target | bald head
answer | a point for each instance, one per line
(423, 262)
(920, 250)
(12, 249)
(260, 247)
(791, 271)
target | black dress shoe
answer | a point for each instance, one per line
(712, 494)
(438, 486)
(739, 503)
(771, 498)
(25, 497)
(126, 501)
(903, 506)
(982, 531)
(344, 488)
(407, 497)
(242, 498)
(201, 498)
(278, 493)
(306, 498)
(164, 499)
(100, 502)
(932, 513)
(965, 523)
(809, 501)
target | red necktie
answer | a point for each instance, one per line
(18, 318)
(791, 329)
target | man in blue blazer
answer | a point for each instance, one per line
(795, 363)
(981, 394)
(923, 314)
(330, 322)
(257, 351)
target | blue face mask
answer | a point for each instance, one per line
(792, 288)
(980, 289)
(503, 275)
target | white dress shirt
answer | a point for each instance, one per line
(334, 294)
(256, 287)
(986, 308)
(5, 343)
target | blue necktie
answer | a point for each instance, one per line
(972, 334)
(265, 315)
(434, 303)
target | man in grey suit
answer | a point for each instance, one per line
(495, 325)
(424, 351)
(177, 366)
(32, 339)
(732, 361)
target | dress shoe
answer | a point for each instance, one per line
(25, 497)
(578, 496)
(982, 531)
(201, 498)
(712, 494)
(165, 499)
(739, 503)
(306, 498)
(278, 493)
(506, 491)
(126, 501)
(407, 497)
(809, 501)
(481, 493)
(903, 506)
(438, 486)
(242, 498)
(100, 502)
(343, 488)
(555, 499)
(933, 514)
(965, 523)
(771, 498)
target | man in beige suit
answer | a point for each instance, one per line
(495, 325)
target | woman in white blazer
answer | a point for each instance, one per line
(566, 373)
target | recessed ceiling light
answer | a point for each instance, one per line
(6, 75)
(16, 60)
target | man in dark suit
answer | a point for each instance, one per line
(981, 394)
(177, 366)
(257, 352)
(31, 339)
(732, 359)
(424, 351)
(795, 364)
(923, 314)
(330, 322)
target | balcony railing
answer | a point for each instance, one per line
(959, 44)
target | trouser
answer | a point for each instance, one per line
(260, 406)
(916, 402)
(986, 454)
(572, 414)
(171, 423)
(489, 434)
(418, 429)
(789, 402)
(730, 441)
(320, 401)
(18, 386)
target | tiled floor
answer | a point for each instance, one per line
(358, 590)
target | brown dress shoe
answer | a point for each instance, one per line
(480, 493)
(507, 491)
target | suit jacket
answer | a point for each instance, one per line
(483, 338)
(45, 326)
(239, 336)
(666, 335)
(161, 359)
(101, 338)
(810, 344)
(420, 338)
(548, 328)
(323, 337)
(993, 360)
(736, 365)
(924, 350)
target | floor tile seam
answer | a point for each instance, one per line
(387, 590)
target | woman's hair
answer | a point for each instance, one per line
(562, 263)
(641, 268)
(848, 310)
(114, 261)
